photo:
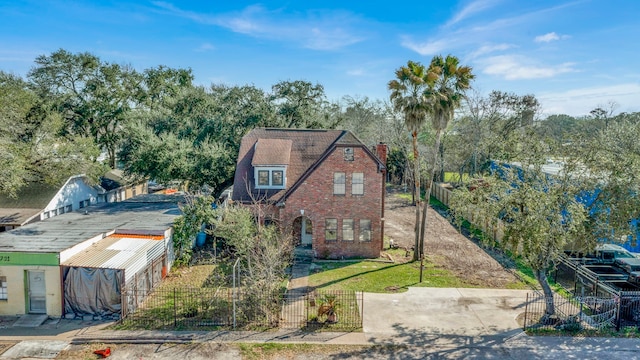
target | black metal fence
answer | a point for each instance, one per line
(582, 312)
(602, 295)
(185, 308)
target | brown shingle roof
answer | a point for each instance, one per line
(272, 152)
(308, 148)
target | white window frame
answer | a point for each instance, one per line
(339, 188)
(331, 228)
(347, 229)
(365, 231)
(271, 171)
(357, 185)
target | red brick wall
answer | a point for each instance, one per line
(315, 197)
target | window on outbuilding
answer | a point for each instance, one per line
(3, 288)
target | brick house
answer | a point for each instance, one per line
(325, 186)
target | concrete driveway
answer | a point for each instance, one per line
(450, 311)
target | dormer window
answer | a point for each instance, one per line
(270, 161)
(270, 177)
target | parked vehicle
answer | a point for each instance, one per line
(604, 254)
(632, 267)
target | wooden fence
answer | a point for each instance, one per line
(493, 228)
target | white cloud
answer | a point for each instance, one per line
(512, 67)
(472, 8)
(321, 30)
(426, 48)
(580, 101)
(552, 36)
(486, 49)
(204, 47)
(478, 32)
(549, 37)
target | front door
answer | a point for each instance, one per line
(37, 292)
(306, 231)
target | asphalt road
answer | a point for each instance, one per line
(423, 323)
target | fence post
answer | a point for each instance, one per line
(362, 308)
(175, 309)
(123, 302)
(526, 308)
(234, 293)
(618, 310)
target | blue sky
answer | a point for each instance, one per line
(572, 55)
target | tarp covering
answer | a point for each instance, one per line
(89, 291)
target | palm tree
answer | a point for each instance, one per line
(447, 84)
(407, 96)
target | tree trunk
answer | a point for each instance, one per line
(441, 163)
(111, 153)
(428, 194)
(416, 179)
(541, 276)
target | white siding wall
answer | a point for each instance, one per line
(73, 191)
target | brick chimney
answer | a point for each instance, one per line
(381, 151)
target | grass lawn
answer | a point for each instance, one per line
(196, 276)
(372, 276)
(455, 177)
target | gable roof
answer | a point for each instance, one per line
(115, 178)
(31, 196)
(29, 202)
(306, 150)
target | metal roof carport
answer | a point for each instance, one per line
(93, 279)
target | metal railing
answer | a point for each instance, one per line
(186, 308)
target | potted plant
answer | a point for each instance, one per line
(329, 307)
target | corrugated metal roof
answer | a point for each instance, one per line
(118, 252)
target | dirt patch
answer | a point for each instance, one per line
(5, 345)
(195, 351)
(445, 246)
